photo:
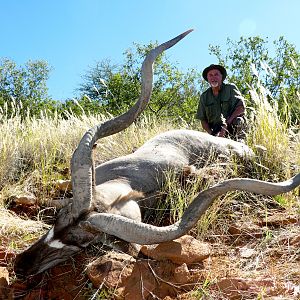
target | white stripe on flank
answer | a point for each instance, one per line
(56, 244)
(53, 243)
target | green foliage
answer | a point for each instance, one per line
(23, 90)
(113, 88)
(91, 293)
(109, 88)
(251, 63)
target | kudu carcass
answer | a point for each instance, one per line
(109, 200)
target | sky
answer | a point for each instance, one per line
(72, 35)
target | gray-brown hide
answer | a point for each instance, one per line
(110, 203)
(144, 169)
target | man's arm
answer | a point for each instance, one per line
(201, 115)
(205, 126)
(239, 110)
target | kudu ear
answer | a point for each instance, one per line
(81, 162)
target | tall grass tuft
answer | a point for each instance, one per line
(269, 136)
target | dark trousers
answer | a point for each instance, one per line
(236, 130)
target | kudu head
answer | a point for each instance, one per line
(67, 236)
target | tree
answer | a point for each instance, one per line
(250, 64)
(114, 88)
(23, 89)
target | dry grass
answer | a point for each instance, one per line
(18, 233)
(279, 140)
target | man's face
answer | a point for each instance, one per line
(214, 78)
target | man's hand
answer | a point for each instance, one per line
(222, 132)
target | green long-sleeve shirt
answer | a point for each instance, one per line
(211, 108)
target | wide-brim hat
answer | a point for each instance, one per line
(213, 67)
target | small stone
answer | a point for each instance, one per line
(279, 220)
(26, 200)
(247, 252)
(186, 249)
(4, 282)
(245, 229)
(64, 185)
(110, 269)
